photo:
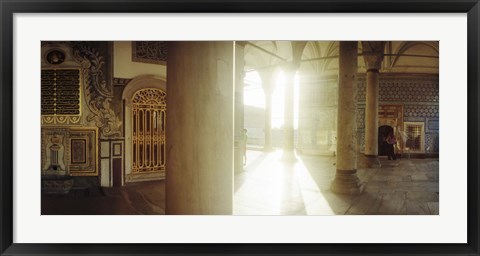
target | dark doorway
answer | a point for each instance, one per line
(383, 132)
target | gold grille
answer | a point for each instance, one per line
(148, 138)
(414, 136)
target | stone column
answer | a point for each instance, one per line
(200, 126)
(288, 126)
(268, 84)
(373, 56)
(346, 180)
(371, 114)
(239, 107)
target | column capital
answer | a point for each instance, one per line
(373, 61)
(373, 54)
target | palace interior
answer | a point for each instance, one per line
(240, 128)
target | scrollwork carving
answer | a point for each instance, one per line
(99, 93)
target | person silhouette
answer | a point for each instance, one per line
(391, 141)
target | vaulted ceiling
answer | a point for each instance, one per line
(321, 57)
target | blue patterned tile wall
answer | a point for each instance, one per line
(419, 96)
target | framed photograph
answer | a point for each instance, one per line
(239, 128)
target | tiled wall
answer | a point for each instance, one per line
(419, 96)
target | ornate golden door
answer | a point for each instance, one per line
(148, 128)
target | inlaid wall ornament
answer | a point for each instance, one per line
(56, 57)
(154, 52)
(54, 159)
(69, 151)
(99, 93)
(60, 96)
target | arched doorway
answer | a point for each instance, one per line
(383, 132)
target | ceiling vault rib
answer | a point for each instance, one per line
(411, 55)
(266, 51)
(327, 57)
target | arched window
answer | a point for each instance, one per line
(148, 130)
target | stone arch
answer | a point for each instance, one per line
(140, 82)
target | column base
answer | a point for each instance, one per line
(347, 183)
(368, 161)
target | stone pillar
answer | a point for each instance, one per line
(371, 114)
(268, 84)
(288, 126)
(200, 126)
(239, 107)
(373, 56)
(346, 180)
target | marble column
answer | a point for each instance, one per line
(200, 127)
(346, 180)
(268, 84)
(239, 107)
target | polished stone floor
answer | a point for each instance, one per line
(272, 186)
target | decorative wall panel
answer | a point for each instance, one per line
(89, 57)
(78, 148)
(60, 96)
(69, 150)
(83, 151)
(154, 52)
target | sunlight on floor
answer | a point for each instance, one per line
(271, 185)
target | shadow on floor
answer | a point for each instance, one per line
(146, 198)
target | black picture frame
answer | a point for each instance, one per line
(10, 7)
